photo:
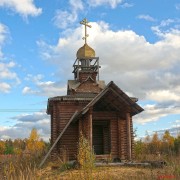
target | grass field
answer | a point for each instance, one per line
(26, 168)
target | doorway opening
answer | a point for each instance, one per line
(101, 137)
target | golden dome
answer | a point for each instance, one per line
(85, 52)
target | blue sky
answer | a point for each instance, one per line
(138, 43)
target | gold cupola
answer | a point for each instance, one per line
(85, 52)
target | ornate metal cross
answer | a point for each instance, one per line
(85, 23)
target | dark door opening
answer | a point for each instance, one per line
(101, 138)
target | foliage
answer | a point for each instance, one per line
(34, 145)
(2, 147)
(139, 148)
(85, 157)
(167, 145)
(9, 149)
(177, 145)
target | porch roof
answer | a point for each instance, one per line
(119, 98)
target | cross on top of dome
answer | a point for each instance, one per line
(85, 23)
(85, 51)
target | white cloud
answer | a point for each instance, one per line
(8, 78)
(4, 32)
(146, 17)
(64, 18)
(28, 90)
(25, 123)
(154, 113)
(166, 26)
(127, 5)
(43, 88)
(23, 7)
(112, 3)
(5, 87)
(163, 95)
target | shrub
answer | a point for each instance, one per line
(85, 157)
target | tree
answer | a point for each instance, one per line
(2, 147)
(167, 142)
(177, 145)
(155, 143)
(139, 148)
(34, 144)
(9, 147)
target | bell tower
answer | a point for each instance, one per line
(85, 69)
(86, 65)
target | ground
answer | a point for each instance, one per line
(14, 167)
(107, 173)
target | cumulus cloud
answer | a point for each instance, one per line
(146, 17)
(5, 87)
(24, 125)
(24, 7)
(4, 32)
(112, 3)
(127, 5)
(155, 112)
(8, 77)
(163, 95)
(149, 71)
(64, 18)
(43, 88)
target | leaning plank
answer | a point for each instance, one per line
(60, 135)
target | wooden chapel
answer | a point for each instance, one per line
(103, 113)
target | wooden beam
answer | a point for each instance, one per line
(119, 137)
(128, 119)
(60, 135)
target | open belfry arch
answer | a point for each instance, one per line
(103, 113)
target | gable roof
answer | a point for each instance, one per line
(120, 97)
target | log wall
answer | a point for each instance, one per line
(62, 112)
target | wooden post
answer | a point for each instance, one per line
(90, 127)
(54, 131)
(119, 137)
(128, 119)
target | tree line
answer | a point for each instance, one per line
(166, 144)
(31, 145)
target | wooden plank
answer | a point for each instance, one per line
(52, 147)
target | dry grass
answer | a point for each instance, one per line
(171, 171)
(27, 169)
(108, 173)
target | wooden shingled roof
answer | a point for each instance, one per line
(116, 97)
(111, 95)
